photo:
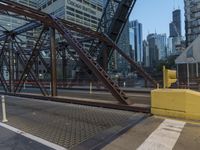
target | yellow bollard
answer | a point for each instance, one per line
(164, 77)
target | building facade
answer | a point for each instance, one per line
(161, 42)
(175, 25)
(136, 28)
(157, 44)
(175, 35)
(10, 23)
(132, 42)
(146, 54)
(188, 65)
(192, 20)
(153, 49)
(124, 44)
(84, 12)
(87, 13)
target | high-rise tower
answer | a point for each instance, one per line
(175, 25)
(138, 46)
(192, 21)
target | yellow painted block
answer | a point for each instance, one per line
(193, 102)
(179, 103)
(168, 113)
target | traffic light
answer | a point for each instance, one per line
(169, 77)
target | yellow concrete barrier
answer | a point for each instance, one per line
(179, 103)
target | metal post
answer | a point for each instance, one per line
(177, 74)
(37, 67)
(17, 66)
(53, 64)
(105, 59)
(188, 76)
(64, 66)
(164, 85)
(11, 66)
(3, 109)
(90, 87)
(197, 69)
(50, 87)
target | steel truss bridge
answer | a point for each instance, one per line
(47, 28)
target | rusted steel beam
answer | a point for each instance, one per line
(138, 68)
(47, 67)
(79, 101)
(53, 63)
(64, 64)
(87, 59)
(21, 29)
(3, 82)
(90, 62)
(5, 13)
(11, 64)
(44, 18)
(31, 61)
(16, 66)
(23, 10)
(2, 79)
(22, 58)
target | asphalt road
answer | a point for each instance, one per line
(140, 98)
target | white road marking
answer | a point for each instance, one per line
(32, 137)
(164, 137)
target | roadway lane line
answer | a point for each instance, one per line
(32, 137)
(164, 137)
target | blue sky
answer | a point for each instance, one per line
(155, 15)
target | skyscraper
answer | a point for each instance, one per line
(153, 50)
(136, 27)
(175, 25)
(169, 46)
(132, 42)
(192, 21)
(146, 54)
(157, 45)
(124, 44)
(161, 41)
(175, 36)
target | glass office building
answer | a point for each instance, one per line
(10, 23)
(136, 40)
(192, 20)
(85, 12)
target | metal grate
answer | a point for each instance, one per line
(64, 124)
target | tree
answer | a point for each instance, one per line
(169, 63)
